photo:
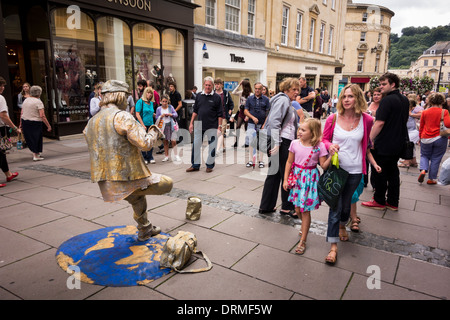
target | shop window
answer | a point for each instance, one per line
(173, 59)
(114, 50)
(74, 50)
(147, 51)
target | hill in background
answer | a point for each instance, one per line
(413, 42)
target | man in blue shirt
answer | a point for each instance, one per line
(256, 109)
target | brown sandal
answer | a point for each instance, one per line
(301, 247)
(330, 259)
(354, 226)
(343, 235)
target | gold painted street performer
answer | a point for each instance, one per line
(115, 140)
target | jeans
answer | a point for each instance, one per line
(431, 155)
(341, 214)
(211, 134)
(148, 155)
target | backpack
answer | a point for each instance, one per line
(178, 251)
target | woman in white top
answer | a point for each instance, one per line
(348, 133)
(31, 119)
(5, 125)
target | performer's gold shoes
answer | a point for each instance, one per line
(146, 233)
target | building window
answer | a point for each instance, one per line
(75, 55)
(251, 17)
(364, 17)
(311, 34)
(322, 36)
(210, 13)
(360, 62)
(333, 4)
(173, 56)
(330, 41)
(424, 73)
(284, 25)
(448, 76)
(146, 49)
(363, 36)
(381, 19)
(434, 62)
(377, 63)
(324, 2)
(232, 13)
(425, 63)
(379, 37)
(114, 50)
(298, 31)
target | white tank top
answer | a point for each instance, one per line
(350, 149)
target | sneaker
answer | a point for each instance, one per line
(373, 205)
(2, 185)
(177, 158)
(38, 158)
(422, 176)
(13, 175)
(145, 161)
(165, 159)
(152, 161)
(431, 181)
(391, 207)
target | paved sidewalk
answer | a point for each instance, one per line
(253, 255)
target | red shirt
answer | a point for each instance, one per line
(430, 122)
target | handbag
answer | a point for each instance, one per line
(292, 178)
(444, 131)
(5, 142)
(178, 251)
(332, 182)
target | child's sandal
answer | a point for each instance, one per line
(301, 247)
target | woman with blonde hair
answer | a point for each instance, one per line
(145, 112)
(281, 125)
(347, 132)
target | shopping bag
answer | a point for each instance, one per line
(332, 182)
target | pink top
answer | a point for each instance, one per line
(302, 153)
(328, 130)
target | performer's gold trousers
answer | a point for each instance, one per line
(139, 203)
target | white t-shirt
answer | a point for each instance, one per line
(3, 108)
(165, 111)
(350, 149)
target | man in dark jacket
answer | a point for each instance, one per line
(388, 134)
(209, 113)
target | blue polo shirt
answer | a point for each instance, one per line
(258, 107)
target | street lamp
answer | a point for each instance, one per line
(443, 62)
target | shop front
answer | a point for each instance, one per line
(235, 58)
(68, 47)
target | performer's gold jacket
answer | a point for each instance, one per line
(115, 140)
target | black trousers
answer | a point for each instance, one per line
(388, 180)
(4, 131)
(274, 179)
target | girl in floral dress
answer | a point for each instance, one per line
(304, 154)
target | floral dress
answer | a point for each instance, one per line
(305, 194)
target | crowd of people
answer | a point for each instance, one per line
(367, 131)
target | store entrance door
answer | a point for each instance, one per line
(39, 73)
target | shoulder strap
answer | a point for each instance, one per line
(207, 268)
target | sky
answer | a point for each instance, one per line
(415, 13)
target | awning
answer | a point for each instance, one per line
(360, 80)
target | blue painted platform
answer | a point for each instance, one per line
(114, 257)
